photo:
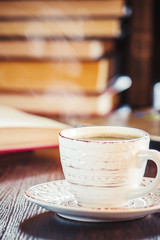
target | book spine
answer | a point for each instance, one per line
(141, 53)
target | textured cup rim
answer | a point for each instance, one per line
(62, 134)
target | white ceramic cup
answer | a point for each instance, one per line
(106, 173)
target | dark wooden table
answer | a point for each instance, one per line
(21, 219)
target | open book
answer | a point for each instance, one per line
(21, 131)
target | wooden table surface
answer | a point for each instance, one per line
(22, 219)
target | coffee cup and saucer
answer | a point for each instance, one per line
(104, 170)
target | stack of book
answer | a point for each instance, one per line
(57, 56)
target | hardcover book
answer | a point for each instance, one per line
(61, 8)
(54, 75)
(51, 49)
(71, 28)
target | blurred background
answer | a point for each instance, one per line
(82, 61)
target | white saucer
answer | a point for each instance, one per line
(56, 197)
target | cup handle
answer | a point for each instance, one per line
(143, 156)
